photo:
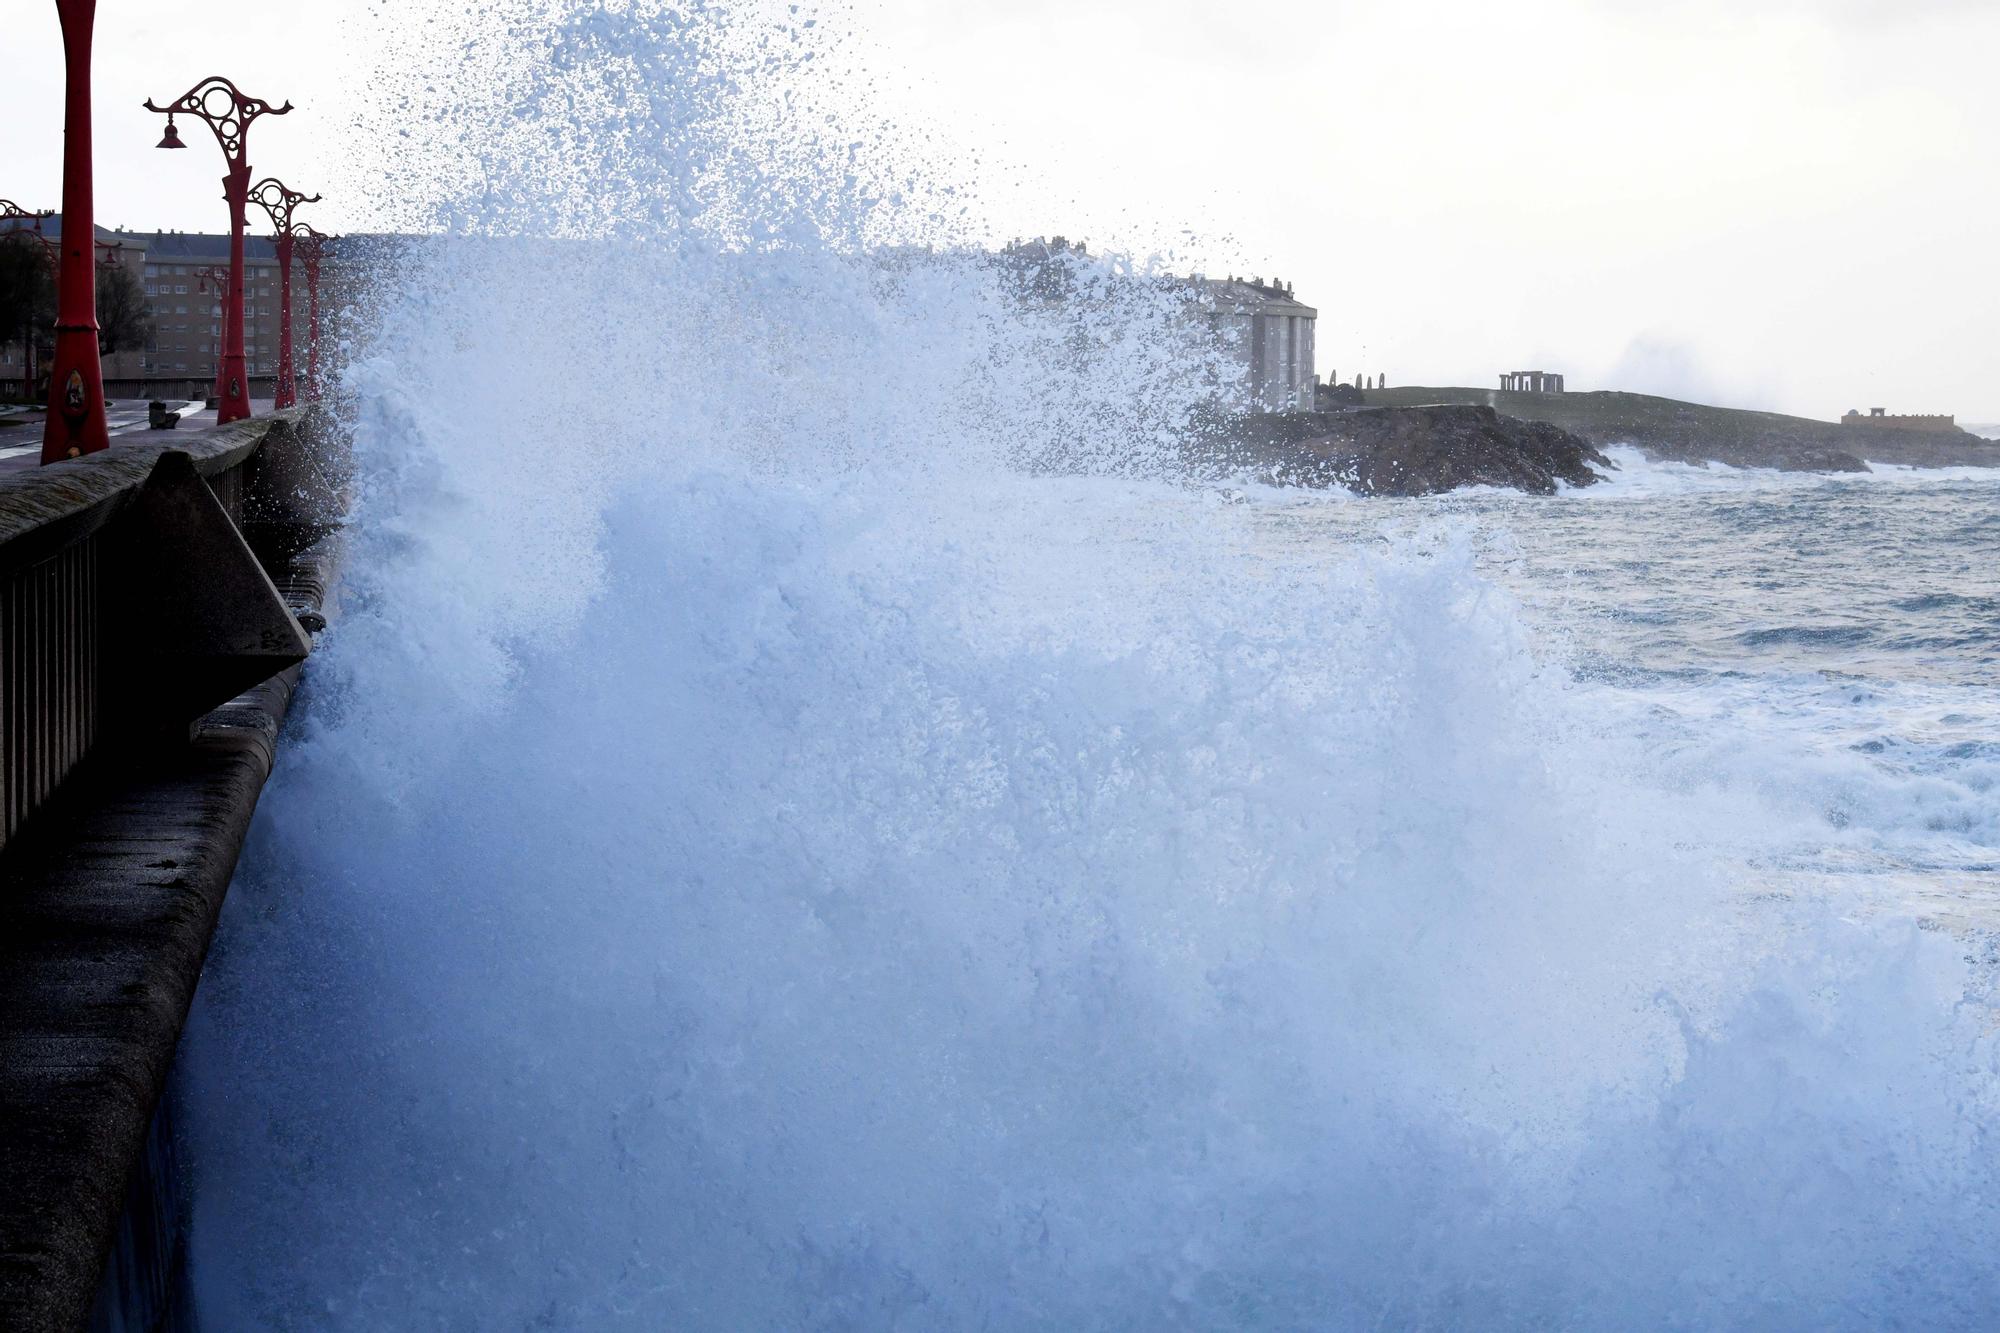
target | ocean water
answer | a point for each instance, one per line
(1840, 633)
(810, 822)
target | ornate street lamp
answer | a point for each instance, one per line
(216, 276)
(278, 200)
(13, 212)
(312, 250)
(228, 112)
(74, 424)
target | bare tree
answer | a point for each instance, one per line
(27, 300)
(124, 316)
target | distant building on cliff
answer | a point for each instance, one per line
(1260, 353)
(1266, 337)
(1531, 381)
(1879, 419)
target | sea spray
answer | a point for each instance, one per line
(803, 820)
(784, 946)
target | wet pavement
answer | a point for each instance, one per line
(21, 444)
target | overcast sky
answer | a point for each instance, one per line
(1791, 204)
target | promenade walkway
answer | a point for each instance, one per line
(21, 444)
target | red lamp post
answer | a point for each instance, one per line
(13, 212)
(278, 200)
(75, 422)
(228, 112)
(312, 250)
(110, 254)
(216, 275)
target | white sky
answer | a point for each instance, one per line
(1790, 204)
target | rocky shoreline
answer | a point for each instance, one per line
(1676, 431)
(1417, 441)
(1407, 451)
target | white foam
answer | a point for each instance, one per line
(1638, 476)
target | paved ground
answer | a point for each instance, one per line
(21, 444)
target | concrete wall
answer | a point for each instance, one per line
(1931, 423)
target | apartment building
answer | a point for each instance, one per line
(183, 275)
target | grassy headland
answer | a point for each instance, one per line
(1694, 432)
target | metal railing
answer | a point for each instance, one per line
(48, 677)
(132, 595)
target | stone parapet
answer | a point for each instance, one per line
(1879, 420)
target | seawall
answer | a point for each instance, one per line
(112, 878)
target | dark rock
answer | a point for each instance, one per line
(1329, 397)
(1414, 451)
(1820, 460)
